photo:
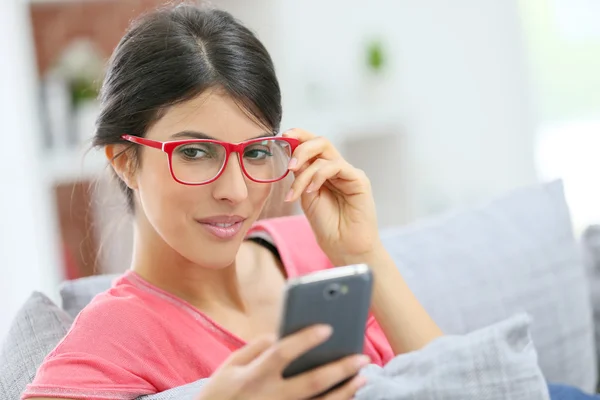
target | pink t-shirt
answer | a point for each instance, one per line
(136, 339)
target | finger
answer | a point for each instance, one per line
(304, 178)
(299, 134)
(347, 391)
(248, 353)
(332, 171)
(282, 353)
(319, 147)
(320, 379)
(343, 176)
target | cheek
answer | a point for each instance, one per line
(275, 205)
(164, 201)
(258, 194)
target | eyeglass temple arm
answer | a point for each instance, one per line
(143, 141)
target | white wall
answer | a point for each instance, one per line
(28, 256)
(458, 90)
(260, 16)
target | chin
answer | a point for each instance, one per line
(213, 251)
(214, 254)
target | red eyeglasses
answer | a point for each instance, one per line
(202, 161)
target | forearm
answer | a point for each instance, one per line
(402, 318)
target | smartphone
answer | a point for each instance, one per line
(339, 297)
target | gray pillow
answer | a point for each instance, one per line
(186, 392)
(495, 363)
(516, 254)
(35, 331)
(78, 293)
(591, 252)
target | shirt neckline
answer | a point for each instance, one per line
(207, 323)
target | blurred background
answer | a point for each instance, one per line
(443, 104)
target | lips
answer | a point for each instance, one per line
(224, 226)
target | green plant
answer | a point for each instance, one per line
(83, 90)
(375, 56)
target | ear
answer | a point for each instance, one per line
(122, 159)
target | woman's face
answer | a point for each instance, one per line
(205, 224)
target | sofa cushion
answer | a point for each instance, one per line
(78, 293)
(36, 330)
(496, 362)
(516, 254)
(591, 252)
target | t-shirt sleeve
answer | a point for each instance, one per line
(98, 359)
(296, 243)
(380, 347)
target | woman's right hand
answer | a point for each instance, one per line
(255, 371)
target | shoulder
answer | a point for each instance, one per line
(120, 302)
(295, 241)
(107, 347)
(117, 316)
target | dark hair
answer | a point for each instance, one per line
(174, 54)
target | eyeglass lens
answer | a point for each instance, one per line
(200, 162)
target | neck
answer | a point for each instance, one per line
(204, 288)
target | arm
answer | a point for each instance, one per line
(402, 318)
(338, 202)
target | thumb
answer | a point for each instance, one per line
(249, 352)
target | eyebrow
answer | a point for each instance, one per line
(201, 135)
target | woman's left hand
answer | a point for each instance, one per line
(336, 198)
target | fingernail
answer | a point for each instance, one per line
(363, 360)
(287, 132)
(293, 162)
(311, 188)
(325, 331)
(289, 196)
(361, 381)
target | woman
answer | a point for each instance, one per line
(203, 293)
(202, 296)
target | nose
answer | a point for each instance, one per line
(231, 185)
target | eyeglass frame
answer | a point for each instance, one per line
(169, 146)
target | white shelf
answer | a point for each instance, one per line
(69, 165)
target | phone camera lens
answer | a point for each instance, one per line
(332, 291)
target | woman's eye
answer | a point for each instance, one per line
(257, 153)
(193, 152)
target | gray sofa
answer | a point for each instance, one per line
(470, 268)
